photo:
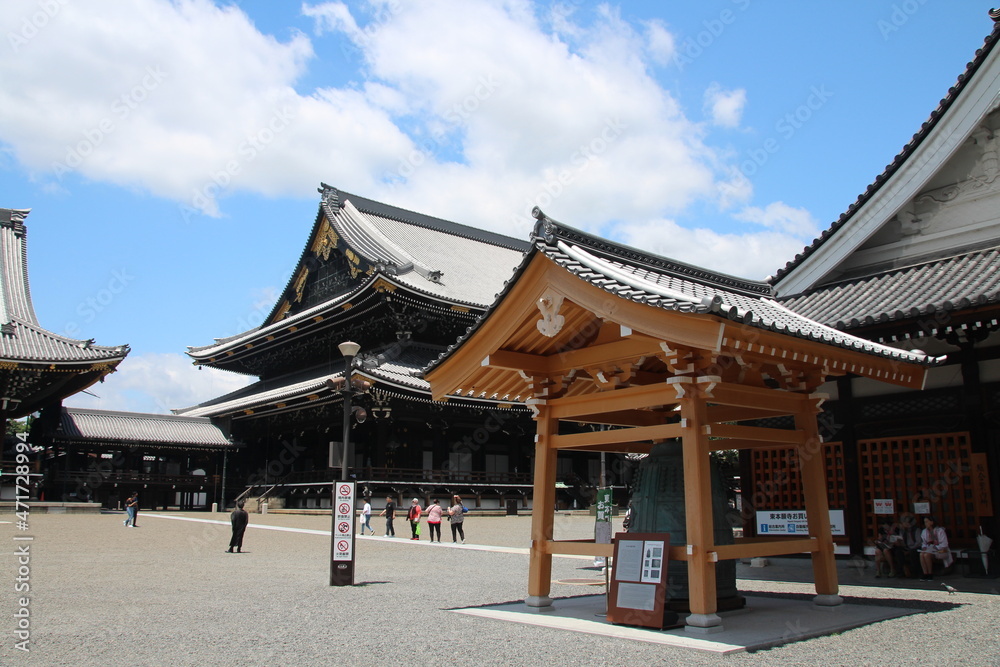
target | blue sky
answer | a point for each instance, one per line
(170, 151)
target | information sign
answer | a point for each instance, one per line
(342, 540)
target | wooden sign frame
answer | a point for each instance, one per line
(637, 592)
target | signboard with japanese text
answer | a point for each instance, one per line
(342, 539)
(980, 473)
(794, 522)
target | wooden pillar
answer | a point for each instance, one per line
(699, 520)
(543, 510)
(813, 471)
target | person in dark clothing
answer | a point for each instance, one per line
(239, 519)
(134, 504)
(389, 513)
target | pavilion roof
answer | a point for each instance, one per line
(664, 283)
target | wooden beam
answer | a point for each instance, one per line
(637, 433)
(616, 448)
(616, 400)
(532, 364)
(623, 418)
(740, 443)
(771, 547)
(776, 436)
(762, 398)
(625, 351)
(727, 413)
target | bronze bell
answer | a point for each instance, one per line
(658, 506)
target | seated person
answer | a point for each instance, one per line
(933, 546)
(888, 535)
(906, 550)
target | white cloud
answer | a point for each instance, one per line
(661, 44)
(183, 99)
(752, 255)
(725, 107)
(157, 383)
(778, 215)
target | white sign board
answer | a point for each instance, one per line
(884, 505)
(343, 521)
(794, 522)
(921, 508)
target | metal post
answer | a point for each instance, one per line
(342, 572)
(347, 419)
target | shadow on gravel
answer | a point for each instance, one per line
(918, 605)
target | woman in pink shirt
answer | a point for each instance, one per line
(434, 519)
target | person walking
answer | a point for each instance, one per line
(135, 509)
(389, 513)
(456, 514)
(413, 515)
(129, 511)
(239, 518)
(366, 518)
(434, 512)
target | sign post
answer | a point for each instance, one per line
(342, 542)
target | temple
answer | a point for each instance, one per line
(403, 286)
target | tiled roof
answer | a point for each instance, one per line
(402, 372)
(900, 159)
(136, 429)
(939, 286)
(664, 283)
(448, 260)
(22, 338)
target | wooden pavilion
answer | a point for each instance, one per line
(594, 332)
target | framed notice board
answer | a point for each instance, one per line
(637, 592)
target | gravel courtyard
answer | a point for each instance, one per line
(166, 593)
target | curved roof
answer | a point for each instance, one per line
(22, 338)
(660, 282)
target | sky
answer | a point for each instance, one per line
(170, 151)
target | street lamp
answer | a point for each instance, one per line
(342, 501)
(349, 350)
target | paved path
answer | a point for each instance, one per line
(165, 593)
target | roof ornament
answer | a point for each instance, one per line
(331, 196)
(546, 226)
(995, 15)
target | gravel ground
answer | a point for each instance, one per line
(165, 593)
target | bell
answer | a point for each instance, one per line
(658, 506)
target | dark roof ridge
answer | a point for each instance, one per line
(897, 162)
(333, 196)
(547, 230)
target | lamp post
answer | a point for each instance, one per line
(342, 501)
(349, 350)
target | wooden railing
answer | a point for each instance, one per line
(454, 477)
(130, 477)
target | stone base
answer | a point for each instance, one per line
(703, 624)
(828, 601)
(539, 603)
